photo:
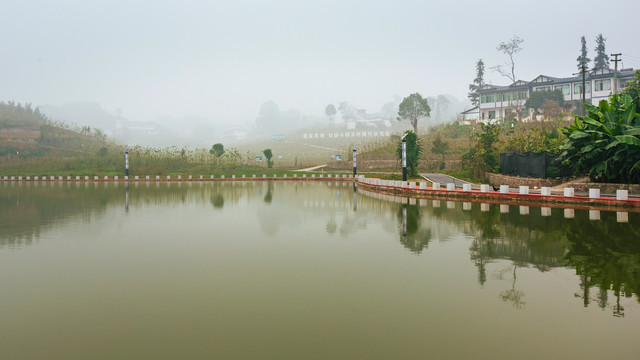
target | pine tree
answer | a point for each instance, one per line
(478, 82)
(583, 59)
(602, 59)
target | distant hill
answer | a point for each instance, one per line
(27, 133)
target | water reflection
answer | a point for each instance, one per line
(414, 235)
(601, 247)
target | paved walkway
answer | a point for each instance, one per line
(312, 168)
(444, 179)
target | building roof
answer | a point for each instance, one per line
(544, 80)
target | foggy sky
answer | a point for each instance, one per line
(223, 59)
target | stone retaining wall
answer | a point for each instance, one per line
(516, 181)
(393, 164)
(607, 188)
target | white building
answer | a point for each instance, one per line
(497, 102)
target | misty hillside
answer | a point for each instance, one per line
(25, 133)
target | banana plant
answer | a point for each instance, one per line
(605, 143)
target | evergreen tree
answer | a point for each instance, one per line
(477, 84)
(602, 59)
(583, 59)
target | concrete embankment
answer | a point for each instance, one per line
(487, 195)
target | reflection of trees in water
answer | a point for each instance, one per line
(27, 209)
(268, 197)
(606, 255)
(412, 233)
(513, 295)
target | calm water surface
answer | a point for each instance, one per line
(290, 270)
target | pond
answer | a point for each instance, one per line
(307, 270)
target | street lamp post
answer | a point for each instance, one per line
(126, 162)
(354, 162)
(404, 157)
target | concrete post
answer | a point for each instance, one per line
(451, 187)
(568, 192)
(622, 195)
(504, 189)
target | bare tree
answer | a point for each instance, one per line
(510, 48)
(508, 70)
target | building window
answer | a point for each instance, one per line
(543, 88)
(603, 85)
(492, 115)
(566, 89)
(577, 88)
(483, 100)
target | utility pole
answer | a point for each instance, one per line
(615, 74)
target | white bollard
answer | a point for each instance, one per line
(295, 175)
(436, 186)
(622, 217)
(412, 185)
(504, 189)
(233, 176)
(545, 191)
(95, 178)
(168, 177)
(115, 178)
(157, 177)
(137, 177)
(451, 186)
(484, 188)
(253, 176)
(423, 186)
(622, 195)
(200, 177)
(568, 192)
(594, 193)
(524, 190)
(313, 176)
(466, 187)
(304, 175)
(403, 184)
(211, 176)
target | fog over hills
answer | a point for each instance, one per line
(200, 131)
